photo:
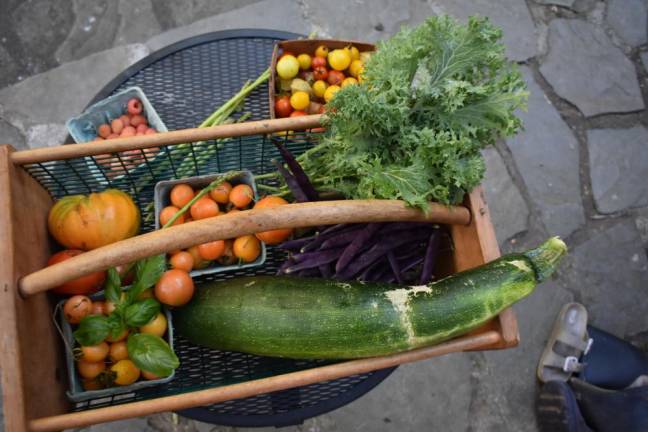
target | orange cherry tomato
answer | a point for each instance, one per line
(198, 261)
(228, 257)
(91, 384)
(272, 237)
(182, 260)
(175, 288)
(167, 213)
(203, 208)
(95, 353)
(76, 308)
(211, 250)
(119, 338)
(98, 308)
(149, 375)
(118, 351)
(90, 370)
(220, 193)
(181, 194)
(247, 248)
(297, 114)
(241, 195)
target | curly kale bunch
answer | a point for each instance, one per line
(431, 98)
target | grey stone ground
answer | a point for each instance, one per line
(579, 169)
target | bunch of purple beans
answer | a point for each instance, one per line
(402, 252)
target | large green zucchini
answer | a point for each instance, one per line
(315, 318)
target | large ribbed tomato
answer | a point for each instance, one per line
(89, 221)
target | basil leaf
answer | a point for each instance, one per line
(116, 324)
(152, 354)
(147, 273)
(141, 313)
(92, 330)
(113, 286)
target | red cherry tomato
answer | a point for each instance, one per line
(335, 77)
(318, 62)
(282, 107)
(85, 284)
(320, 72)
(297, 113)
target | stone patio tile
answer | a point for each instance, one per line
(628, 19)
(609, 275)
(618, 160)
(509, 212)
(283, 15)
(38, 107)
(380, 18)
(512, 16)
(546, 155)
(584, 67)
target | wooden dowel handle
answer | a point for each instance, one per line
(164, 139)
(235, 225)
(252, 388)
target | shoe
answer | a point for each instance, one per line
(612, 410)
(567, 342)
(557, 409)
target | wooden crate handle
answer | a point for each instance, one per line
(165, 139)
(252, 388)
(235, 225)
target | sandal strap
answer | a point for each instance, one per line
(575, 341)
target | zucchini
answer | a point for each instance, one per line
(306, 318)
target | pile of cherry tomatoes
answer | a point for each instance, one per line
(307, 81)
(223, 199)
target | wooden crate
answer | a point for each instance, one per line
(301, 46)
(31, 355)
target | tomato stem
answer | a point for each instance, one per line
(220, 179)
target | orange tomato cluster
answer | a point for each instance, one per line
(223, 199)
(308, 81)
(107, 363)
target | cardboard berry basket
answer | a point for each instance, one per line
(304, 46)
(34, 380)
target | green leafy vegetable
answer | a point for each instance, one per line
(116, 324)
(112, 287)
(92, 330)
(151, 353)
(147, 272)
(432, 97)
(141, 313)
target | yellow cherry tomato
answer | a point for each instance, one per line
(126, 373)
(321, 51)
(330, 92)
(355, 68)
(304, 61)
(349, 81)
(287, 67)
(300, 100)
(319, 87)
(355, 53)
(157, 326)
(339, 59)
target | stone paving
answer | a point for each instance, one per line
(578, 169)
